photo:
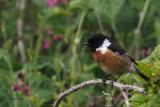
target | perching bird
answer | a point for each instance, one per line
(112, 58)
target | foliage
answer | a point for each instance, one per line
(55, 59)
(150, 66)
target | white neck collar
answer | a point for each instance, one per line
(103, 47)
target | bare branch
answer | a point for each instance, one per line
(125, 97)
(95, 82)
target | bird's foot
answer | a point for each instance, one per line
(104, 80)
(111, 83)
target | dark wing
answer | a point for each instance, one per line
(121, 51)
(117, 48)
(132, 59)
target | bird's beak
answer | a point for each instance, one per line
(85, 43)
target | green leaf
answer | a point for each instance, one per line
(147, 60)
(156, 53)
(127, 19)
(154, 56)
(156, 101)
(42, 90)
(138, 100)
(40, 3)
(52, 12)
(1, 53)
(5, 84)
(157, 28)
(108, 7)
(75, 4)
(139, 4)
(132, 78)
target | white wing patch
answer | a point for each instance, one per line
(103, 47)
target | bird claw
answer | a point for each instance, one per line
(104, 81)
(111, 83)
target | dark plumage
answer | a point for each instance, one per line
(117, 48)
(95, 41)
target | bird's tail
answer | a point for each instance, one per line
(142, 75)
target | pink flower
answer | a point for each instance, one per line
(52, 3)
(15, 87)
(26, 90)
(60, 1)
(20, 76)
(48, 31)
(57, 38)
(63, 1)
(56, 1)
(21, 86)
(44, 45)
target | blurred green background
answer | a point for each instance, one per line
(41, 53)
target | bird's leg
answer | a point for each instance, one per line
(104, 79)
(111, 83)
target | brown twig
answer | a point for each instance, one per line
(95, 82)
(125, 96)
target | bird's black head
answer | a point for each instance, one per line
(95, 41)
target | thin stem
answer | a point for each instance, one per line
(144, 12)
(4, 33)
(40, 37)
(138, 29)
(30, 64)
(6, 48)
(36, 54)
(11, 75)
(10, 67)
(116, 34)
(77, 37)
(80, 24)
(30, 52)
(21, 101)
(37, 78)
(99, 21)
(15, 100)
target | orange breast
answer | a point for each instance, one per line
(111, 63)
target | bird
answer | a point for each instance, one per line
(112, 58)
